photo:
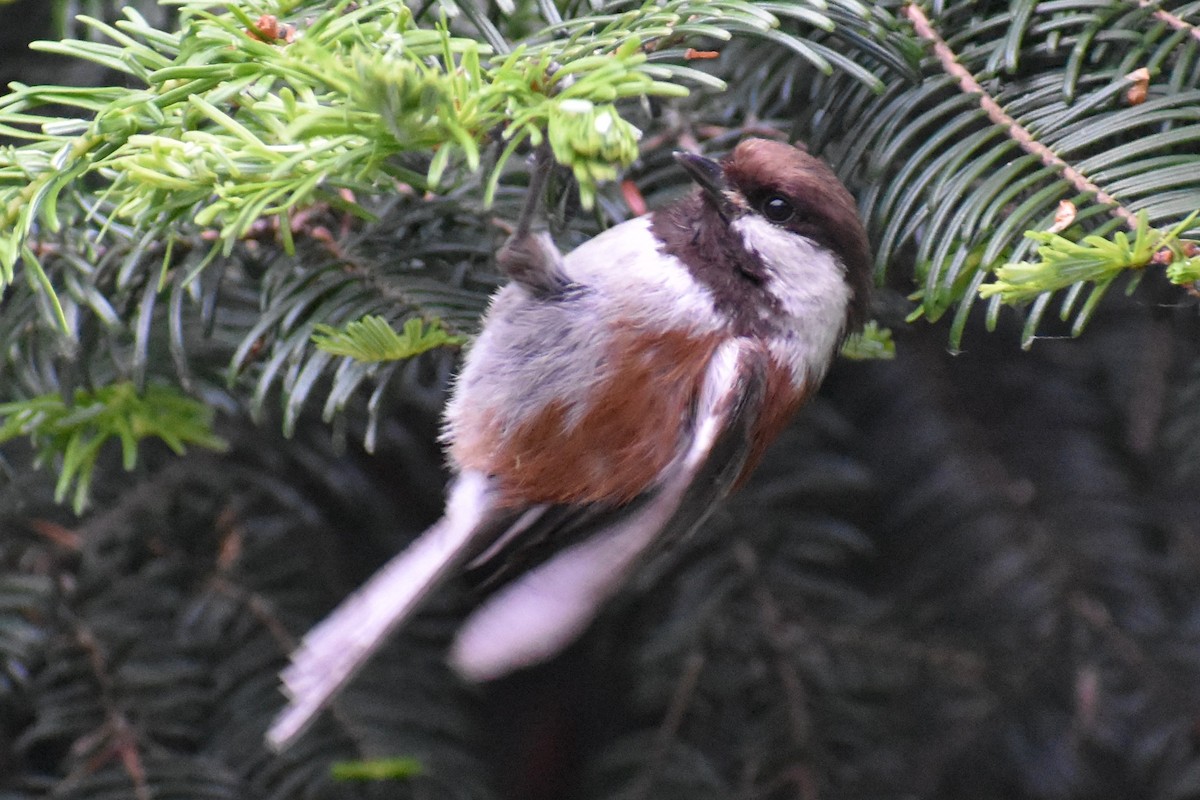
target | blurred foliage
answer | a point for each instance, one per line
(871, 342)
(234, 169)
(377, 770)
(76, 431)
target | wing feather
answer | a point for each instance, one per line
(539, 613)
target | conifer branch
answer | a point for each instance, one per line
(1094, 259)
(1172, 20)
(77, 431)
(995, 112)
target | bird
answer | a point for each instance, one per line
(613, 398)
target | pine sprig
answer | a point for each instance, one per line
(871, 343)
(1184, 271)
(381, 769)
(233, 125)
(1062, 263)
(372, 339)
(74, 433)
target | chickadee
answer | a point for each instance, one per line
(620, 392)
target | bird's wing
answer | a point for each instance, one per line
(535, 615)
(334, 650)
(539, 613)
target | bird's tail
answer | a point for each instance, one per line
(334, 650)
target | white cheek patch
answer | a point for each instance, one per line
(810, 283)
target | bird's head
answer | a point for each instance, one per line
(779, 205)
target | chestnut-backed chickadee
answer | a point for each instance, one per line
(613, 397)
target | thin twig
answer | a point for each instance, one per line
(1019, 133)
(1170, 19)
(116, 737)
(685, 691)
(794, 696)
(543, 162)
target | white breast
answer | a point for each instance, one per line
(624, 264)
(533, 351)
(809, 282)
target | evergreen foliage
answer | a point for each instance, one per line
(955, 577)
(79, 429)
(372, 339)
(259, 131)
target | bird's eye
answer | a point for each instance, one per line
(777, 209)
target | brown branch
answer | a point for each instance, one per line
(685, 691)
(1170, 19)
(116, 737)
(1019, 133)
(774, 632)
